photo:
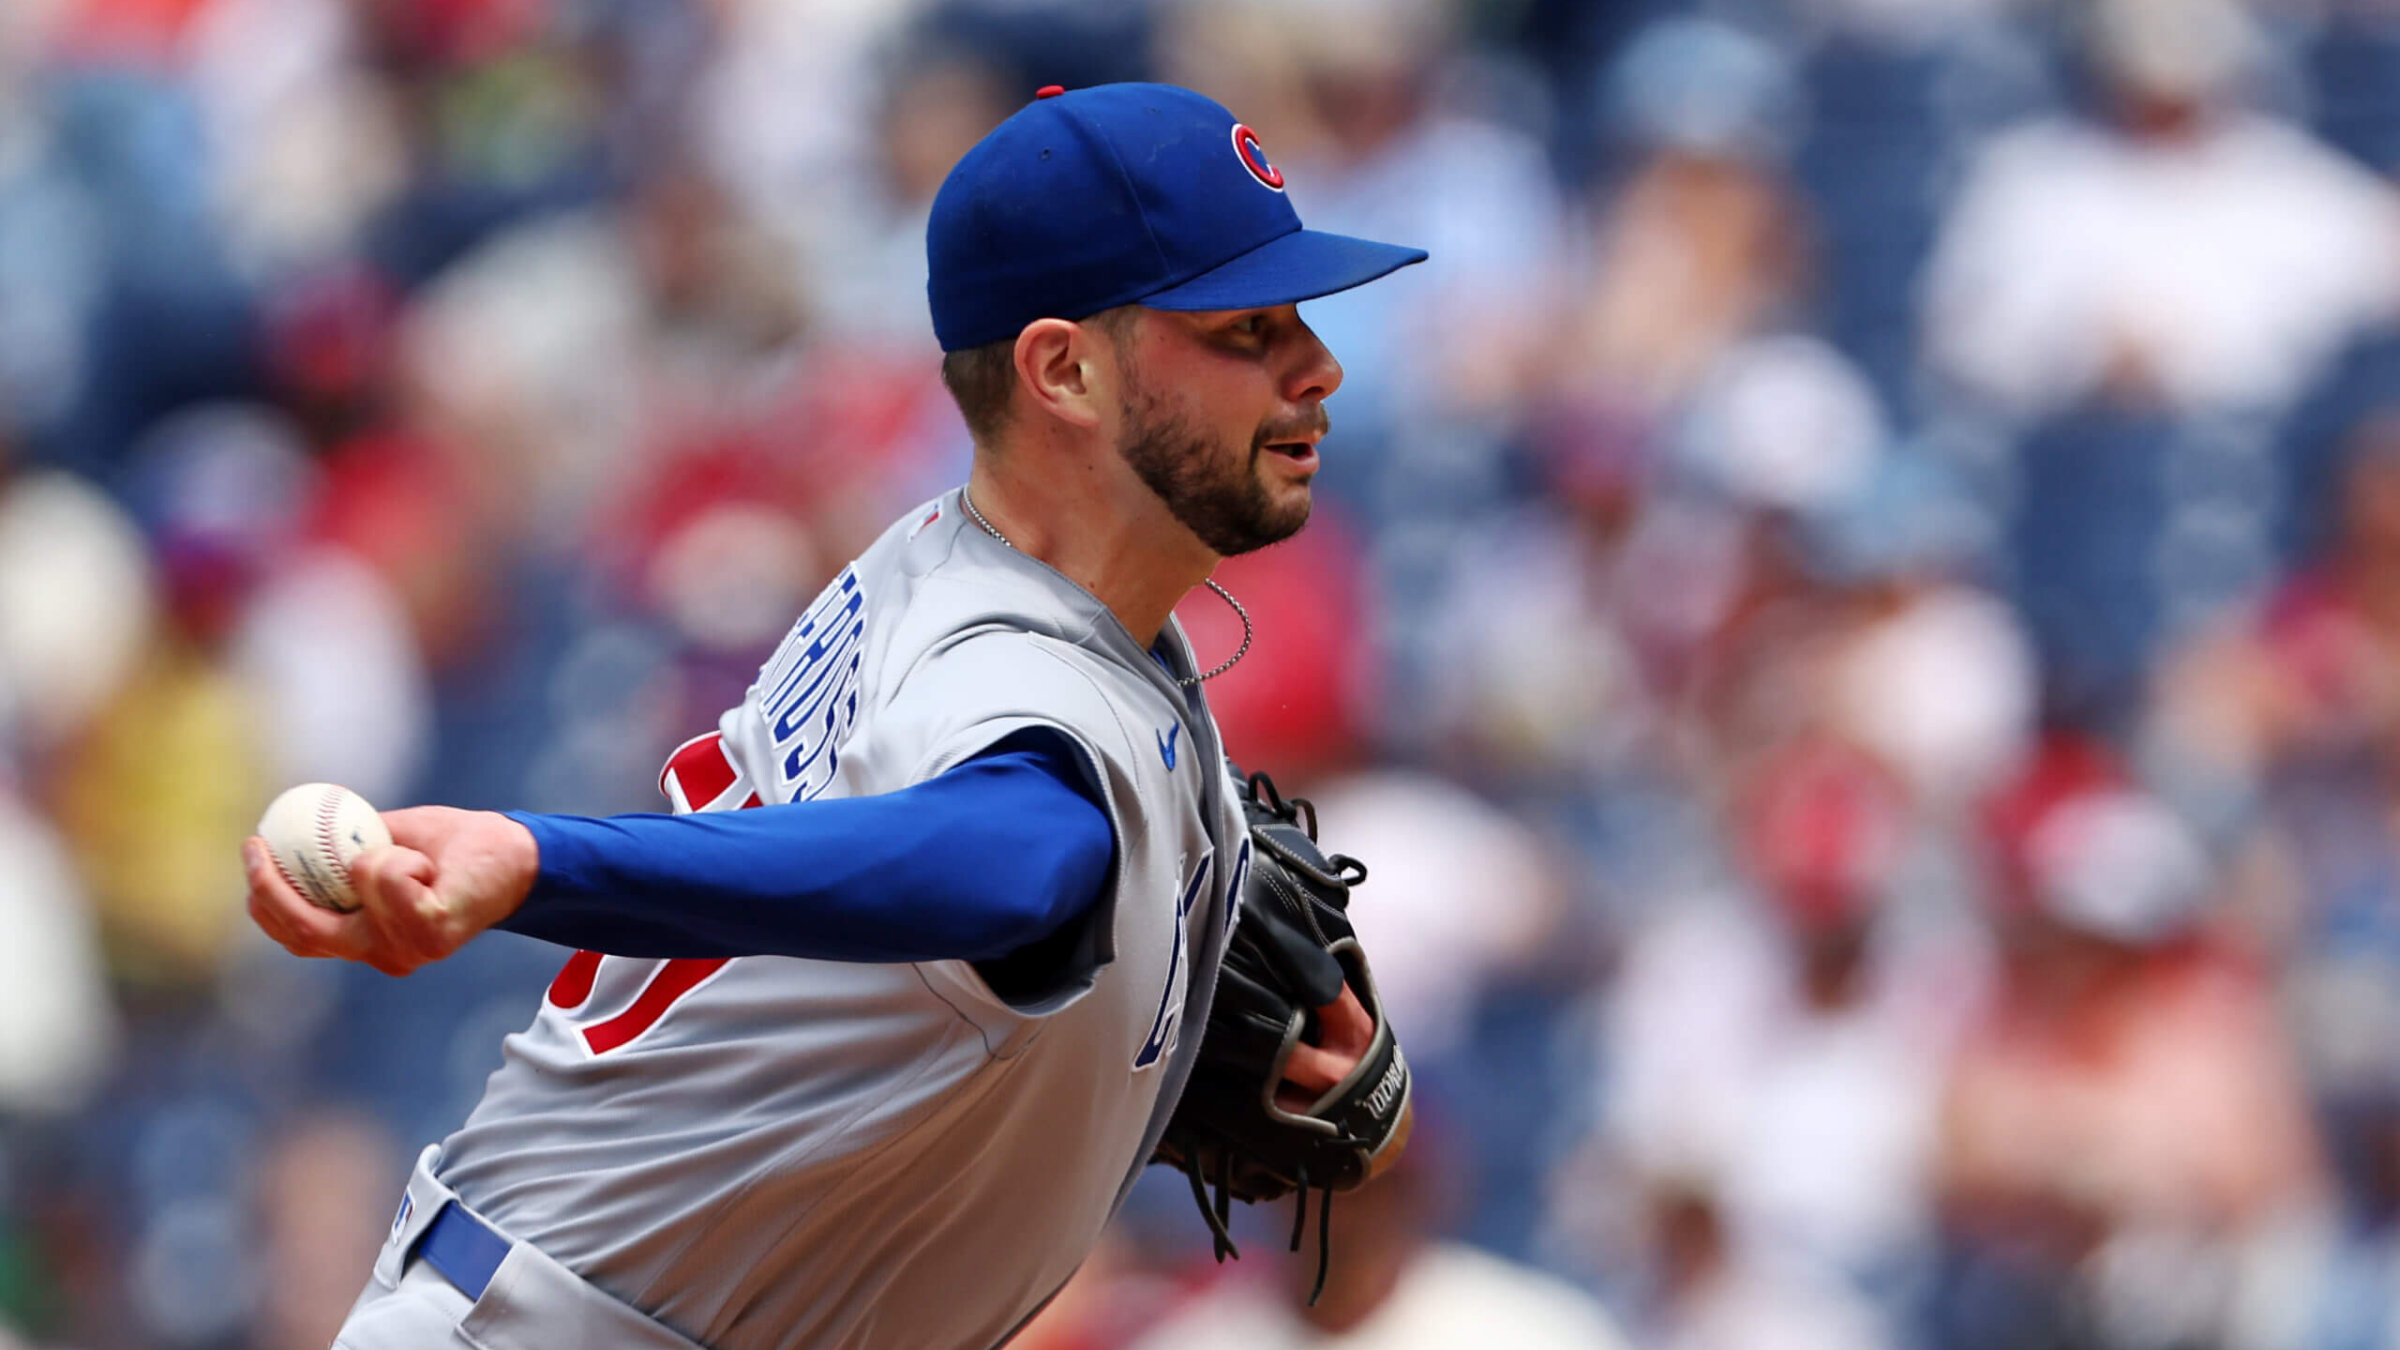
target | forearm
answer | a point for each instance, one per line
(969, 865)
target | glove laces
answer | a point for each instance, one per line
(1219, 1214)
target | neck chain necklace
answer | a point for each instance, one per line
(1226, 595)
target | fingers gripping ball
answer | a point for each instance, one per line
(316, 831)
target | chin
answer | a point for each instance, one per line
(1292, 517)
(1292, 507)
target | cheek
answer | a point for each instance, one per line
(1241, 412)
(1226, 399)
(1221, 418)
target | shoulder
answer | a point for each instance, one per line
(935, 584)
(995, 675)
(968, 641)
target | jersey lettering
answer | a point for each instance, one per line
(1237, 880)
(814, 679)
(1170, 999)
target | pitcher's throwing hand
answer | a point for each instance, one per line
(446, 876)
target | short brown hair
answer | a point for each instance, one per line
(980, 379)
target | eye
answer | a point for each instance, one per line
(1250, 325)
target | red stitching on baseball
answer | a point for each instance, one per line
(326, 811)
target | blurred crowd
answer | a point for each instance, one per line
(1854, 615)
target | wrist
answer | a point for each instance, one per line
(521, 863)
(518, 848)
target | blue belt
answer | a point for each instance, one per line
(463, 1248)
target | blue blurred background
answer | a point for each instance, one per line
(1854, 613)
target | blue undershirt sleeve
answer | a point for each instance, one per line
(972, 864)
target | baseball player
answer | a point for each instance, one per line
(871, 1063)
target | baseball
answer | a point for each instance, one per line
(315, 831)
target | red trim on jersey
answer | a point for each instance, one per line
(574, 982)
(699, 772)
(673, 981)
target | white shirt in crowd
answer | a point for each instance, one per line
(2220, 270)
(1450, 1296)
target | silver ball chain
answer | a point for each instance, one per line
(1211, 582)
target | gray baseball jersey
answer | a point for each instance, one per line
(775, 1152)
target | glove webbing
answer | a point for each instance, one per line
(1347, 871)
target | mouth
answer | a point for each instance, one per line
(1302, 453)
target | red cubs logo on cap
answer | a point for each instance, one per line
(1245, 144)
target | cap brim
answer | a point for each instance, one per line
(1287, 269)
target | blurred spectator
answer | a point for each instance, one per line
(787, 106)
(1939, 678)
(308, 152)
(1893, 92)
(2279, 729)
(2125, 1133)
(867, 263)
(527, 350)
(62, 1030)
(1392, 1285)
(2314, 680)
(76, 604)
(2176, 248)
(327, 1181)
(1772, 1072)
(1708, 1298)
(1701, 245)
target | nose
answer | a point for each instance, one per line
(1314, 374)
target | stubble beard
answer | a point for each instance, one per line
(1228, 507)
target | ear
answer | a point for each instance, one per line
(1067, 369)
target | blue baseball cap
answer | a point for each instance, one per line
(1102, 197)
